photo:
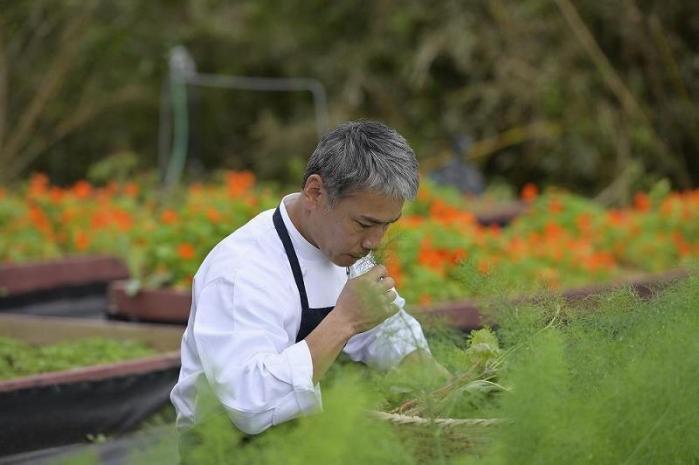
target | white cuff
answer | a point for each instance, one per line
(298, 357)
(305, 398)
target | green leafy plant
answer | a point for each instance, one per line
(18, 358)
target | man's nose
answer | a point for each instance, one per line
(373, 237)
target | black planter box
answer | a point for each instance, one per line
(64, 407)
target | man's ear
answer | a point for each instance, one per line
(313, 192)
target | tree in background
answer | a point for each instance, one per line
(598, 96)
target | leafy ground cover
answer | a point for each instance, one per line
(611, 380)
(613, 384)
(436, 252)
(18, 358)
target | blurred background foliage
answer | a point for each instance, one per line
(600, 97)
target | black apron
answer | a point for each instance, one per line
(310, 317)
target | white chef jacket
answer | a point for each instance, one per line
(244, 319)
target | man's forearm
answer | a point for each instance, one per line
(325, 343)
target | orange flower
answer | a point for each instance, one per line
(425, 300)
(432, 258)
(641, 202)
(185, 251)
(516, 248)
(555, 205)
(56, 194)
(168, 216)
(445, 213)
(599, 261)
(684, 248)
(484, 266)
(2, 193)
(82, 189)
(529, 192)
(667, 207)
(81, 240)
(38, 184)
(239, 182)
(251, 201)
(617, 217)
(100, 219)
(131, 189)
(213, 215)
(581, 247)
(39, 219)
(458, 255)
(394, 269)
(553, 231)
(584, 222)
(122, 219)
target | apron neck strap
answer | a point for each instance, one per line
(291, 255)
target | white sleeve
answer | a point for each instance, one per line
(385, 345)
(237, 329)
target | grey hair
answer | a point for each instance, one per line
(364, 155)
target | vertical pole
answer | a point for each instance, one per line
(181, 68)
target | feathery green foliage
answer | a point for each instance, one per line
(614, 382)
(610, 380)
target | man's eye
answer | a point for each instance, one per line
(365, 226)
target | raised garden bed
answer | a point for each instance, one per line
(172, 306)
(501, 215)
(148, 305)
(467, 314)
(63, 407)
(31, 282)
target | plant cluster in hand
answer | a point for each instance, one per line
(474, 364)
(436, 252)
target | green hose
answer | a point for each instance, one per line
(180, 139)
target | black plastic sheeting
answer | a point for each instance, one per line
(48, 416)
(87, 301)
(90, 307)
(18, 302)
(154, 446)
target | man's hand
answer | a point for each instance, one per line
(367, 300)
(364, 302)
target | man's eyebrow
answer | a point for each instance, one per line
(369, 219)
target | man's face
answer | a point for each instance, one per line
(354, 225)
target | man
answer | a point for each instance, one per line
(273, 304)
